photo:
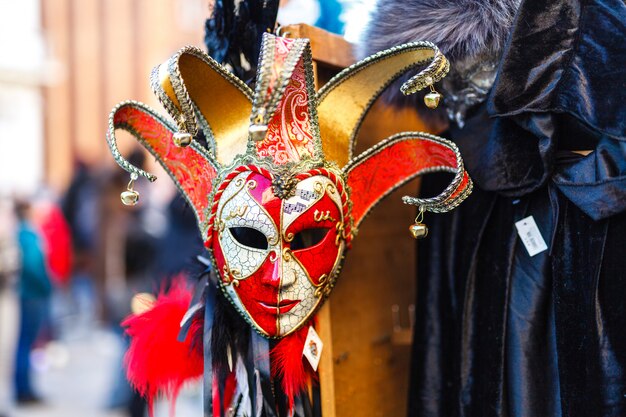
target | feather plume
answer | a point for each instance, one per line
(288, 364)
(156, 362)
(233, 33)
(230, 331)
(259, 394)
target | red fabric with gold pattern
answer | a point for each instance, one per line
(282, 46)
(289, 136)
(462, 188)
(184, 165)
(390, 166)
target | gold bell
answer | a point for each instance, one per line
(129, 197)
(432, 100)
(257, 132)
(182, 139)
(418, 230)
(258, 128)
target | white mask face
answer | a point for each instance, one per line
(277, 257)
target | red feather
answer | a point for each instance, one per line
(156, 362)
(288, 364)
(230, 388)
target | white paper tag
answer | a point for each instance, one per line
(313, 348)
(530, 235)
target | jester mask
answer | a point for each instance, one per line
(271, 174)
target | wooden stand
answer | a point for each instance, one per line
(365, 361)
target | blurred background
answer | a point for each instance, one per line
(71, 256)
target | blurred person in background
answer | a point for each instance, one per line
(128, 256)
(181, 242)
(81, 208)
(9, 265)
(34, 289)
(56, 243)
(56, 238)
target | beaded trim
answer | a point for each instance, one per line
(434, 72)
(438, 204)
(186, 115)
(132, 169)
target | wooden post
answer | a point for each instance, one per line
(362, 371)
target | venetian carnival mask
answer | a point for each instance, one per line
(276, 188)
(277, 255)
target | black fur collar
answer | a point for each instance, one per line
(462, 29)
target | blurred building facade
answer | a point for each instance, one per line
(22, 73)
(64, 64)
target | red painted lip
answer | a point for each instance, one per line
(283, 307)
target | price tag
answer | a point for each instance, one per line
(530, 235)
(313, 348)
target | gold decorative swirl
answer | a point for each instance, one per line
(237, 212)
(287, 255)
(323, 287)
(320, 216)
(231, 276)
(288, 237)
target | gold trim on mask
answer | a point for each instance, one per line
(345, 100)
(181, 84)
(320, 216)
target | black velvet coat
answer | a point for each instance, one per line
(500, 333)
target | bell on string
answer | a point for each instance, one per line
(182, 139)
(418, 230)
(432, 100)
(129, 197)
(258, 132)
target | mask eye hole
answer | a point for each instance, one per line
(308, 237)
(249, 237)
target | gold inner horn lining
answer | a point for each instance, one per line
(342, 109)
(166, 85)
(225, 108)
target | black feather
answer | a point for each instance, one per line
(229, 329)
(234, 30)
